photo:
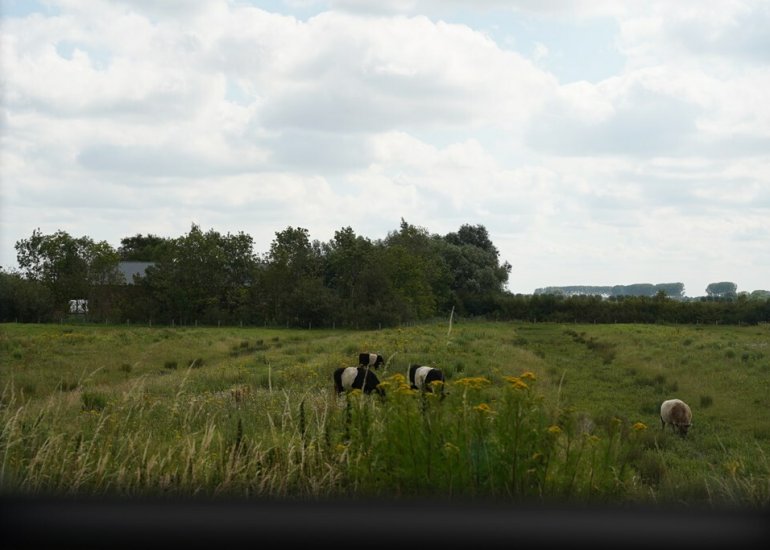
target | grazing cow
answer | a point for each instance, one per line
(373, 360)
(677, 414)
(360, 378)
(421, 376)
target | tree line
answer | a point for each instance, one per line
(722, 289)
(352, 281)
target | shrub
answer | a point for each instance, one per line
(651, 468)
(70, 385)
(93, 401)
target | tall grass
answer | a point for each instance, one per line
(478, 441)
(530, 413)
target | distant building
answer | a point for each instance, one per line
(131, 269)
(79, 306)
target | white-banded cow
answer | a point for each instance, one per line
(357, 378)
(677, 414)
(374, 360)
(421, 377)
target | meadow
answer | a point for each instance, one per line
(533, 412)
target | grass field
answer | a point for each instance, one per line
(534, 412)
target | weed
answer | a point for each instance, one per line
(92, 401)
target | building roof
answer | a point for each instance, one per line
(129, 269)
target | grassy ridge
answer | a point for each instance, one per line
(534, 411)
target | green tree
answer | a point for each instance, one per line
(418, 273)
(636, 289)
(204, 277)
(23, 299)
(473, 263)
(723, 289)
(292, 279)
(348, 259)
(672, 290)
(473, 235)
(70, 267)
(141, 248)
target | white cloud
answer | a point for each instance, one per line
(367, 76)
(126, 117)
(711, 31)
(629, 119)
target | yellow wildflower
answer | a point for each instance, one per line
(483, 408)
(516, 382)
(554, 429)
(639, 427)
(529, 375)
(733, 466)
(472, 381)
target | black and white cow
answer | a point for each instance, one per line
(421, 376)
(374, 360)
(360, 378)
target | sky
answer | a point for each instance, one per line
(599, 142)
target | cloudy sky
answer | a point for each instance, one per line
(599, 142)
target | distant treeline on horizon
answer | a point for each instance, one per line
(722, 289)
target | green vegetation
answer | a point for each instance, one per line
(211, 278)
(207, 278)
(539, 412)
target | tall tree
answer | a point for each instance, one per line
(724, 289)
(141, 248)
(23, 299)
(474, 235)
(347, 258)
(293, 278)
(204, 276)
(417, 271)
(672, 290)
(70, 267)
(476, 273)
